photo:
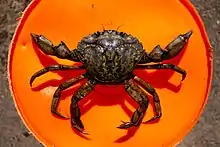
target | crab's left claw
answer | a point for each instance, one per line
(176, 45)
(159, 54)
(173, 48)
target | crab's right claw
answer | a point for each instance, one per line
(44, 44)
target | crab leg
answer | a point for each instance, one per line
(141, 98)
(153, 92)
(60, 51)
(171, 50)
(53, 68)
(165, 66)
(74, 108)
(57, 94)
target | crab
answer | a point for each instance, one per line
(110, 57)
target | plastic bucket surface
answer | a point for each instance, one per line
(154, 23)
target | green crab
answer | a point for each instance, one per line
(110, 57)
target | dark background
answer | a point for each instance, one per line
(205, 134)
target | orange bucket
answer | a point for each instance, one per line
(153, 22)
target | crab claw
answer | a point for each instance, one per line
(159, 54)
(173, 48)
(43, 43)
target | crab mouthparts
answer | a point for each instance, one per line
(110, 63)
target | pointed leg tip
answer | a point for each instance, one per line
(125, 125)
(64, 117)
(31, 81)
(190, 33)
(119, 127)
(183, 76)
(85, 133)
(79, 129)
(145, 122)
(59, 115)
(123, 121)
